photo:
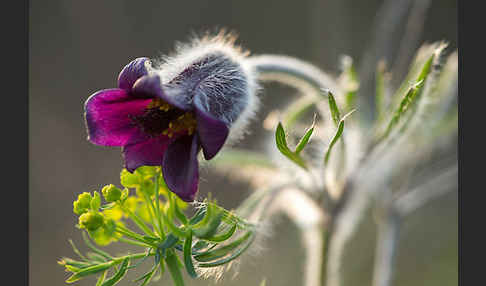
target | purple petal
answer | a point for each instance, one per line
(152, 85)
(212, 132)
(181, 168)
(107, 114)
(146, 153)
(131, 72)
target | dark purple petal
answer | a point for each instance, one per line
(107, 114)
(152, 85)
(146, 153)
(212, 132)
(131, 72)
(181, 168)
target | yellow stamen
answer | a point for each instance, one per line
(159, 103)
(185, 122)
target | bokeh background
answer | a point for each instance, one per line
(79, 47)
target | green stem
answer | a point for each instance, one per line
(325, 247)
(151, 211)
(131, 256)
(133, 235)
(134, 242)
(138, 221)
(157, 206)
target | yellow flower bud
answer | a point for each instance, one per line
(82, 205)
(91, 220)
(111, 193)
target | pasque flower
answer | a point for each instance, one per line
(164, 115)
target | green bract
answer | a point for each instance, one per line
(111, 193)
(91, 220)
(82, 205)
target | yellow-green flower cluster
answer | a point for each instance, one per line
(100, 226)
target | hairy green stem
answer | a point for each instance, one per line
(325, 245)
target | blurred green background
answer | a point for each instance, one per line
(79, 47)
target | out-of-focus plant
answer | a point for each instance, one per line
(327, 162)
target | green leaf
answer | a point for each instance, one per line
(336, 116)
(210, 226)
(95, 257)
(175, 209)
(188, 256)
(169, 241)
(305, 139)
(119, 274)
(147, 276)
(351, 82)
(233, 256)
(89, 271)
(198, 216)
(222, 250)
(76, 250)
(79, 264)
(94, 248)
(223, 236)
(200, 245)
(413, 93)
(336, 136)
(101, 279)
(282, 146)
(96, 201)
(173, 266)
(169, 220)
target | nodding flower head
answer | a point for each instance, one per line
(164, 115)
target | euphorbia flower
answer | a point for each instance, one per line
(165, 115)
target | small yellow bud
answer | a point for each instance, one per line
(91, 220)
(82, 205)
(111, 193)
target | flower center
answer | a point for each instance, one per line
(161, 118)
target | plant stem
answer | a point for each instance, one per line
(295, 73)
(325, 245)
(133, 235)
(388, 232)
(132, 256)
(134, 242)
(157, 206)
(138, 221)
(151, 210)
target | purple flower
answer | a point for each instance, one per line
(160, 122)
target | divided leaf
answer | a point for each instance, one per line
(336, 136)
(281, 141)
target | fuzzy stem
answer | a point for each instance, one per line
(388, 232)
(325, 246)
(311, 219)
(294, 72)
